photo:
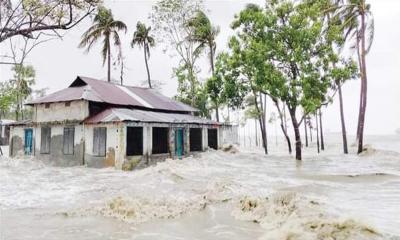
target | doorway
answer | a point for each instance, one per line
(134, 141)
(179, 143)
(196, 139)
(213, 138)
(28, 141)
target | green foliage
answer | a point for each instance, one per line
(286, 51)
(142, 37)
(204, 34)
(14, 93)
(8, 97)
(170, 20)
(24, 78)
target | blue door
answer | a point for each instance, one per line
(28, 141)
(179, 142)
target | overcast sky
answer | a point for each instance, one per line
(58, 62)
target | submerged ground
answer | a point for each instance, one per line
(216, 195)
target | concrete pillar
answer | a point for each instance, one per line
(205, 138)
(186, 140)
(147, 142)
(220, 134)
(171, 139)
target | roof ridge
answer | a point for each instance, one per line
(113, 83)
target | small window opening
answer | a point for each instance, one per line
(160, 140)
(195, 138)
(67, 104)
(134, 141)
(99, 141)
(47, 105)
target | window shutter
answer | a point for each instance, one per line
(102, 147)
(45, 140)
(68, 146)
(99, 141)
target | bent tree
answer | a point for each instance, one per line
(358, 23)
(290, 52)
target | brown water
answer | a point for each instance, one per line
(217, 195)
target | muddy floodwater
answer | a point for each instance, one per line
(216, 195)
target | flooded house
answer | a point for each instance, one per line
(101, 124)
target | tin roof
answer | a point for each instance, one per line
(5, 122)
(84, 88)
(136, 115)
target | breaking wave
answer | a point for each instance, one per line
(290, 216)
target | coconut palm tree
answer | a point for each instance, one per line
(358, 23)
(104, 26)
(205, 34)
(142, 38)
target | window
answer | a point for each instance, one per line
(99, 141)
(196, 140)
(45, 140)
(134, 141)
(68, 144)
(67, 104)
(160, 140)
(47, 105)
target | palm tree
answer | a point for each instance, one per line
(205, 35)
(357, 22)
(104, 26)
(142, 38)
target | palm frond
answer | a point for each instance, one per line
(119, 25)
(117, 40)
(371, 33)
(92, 37)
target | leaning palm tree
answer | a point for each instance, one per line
(357, 22)
(104, 26)
(142, 38)
(205, 34)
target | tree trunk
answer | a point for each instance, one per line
(305, 130)
(217, 113)
(212, 59)
(321, 131)
(255, 131)
(109, 62)
(147, 67)
(295, 124)
(361, 92)
(309, 127)
(316, 127)
(363, 87)
(261, 122)
(344, 135)
(192, 86)
(282, 125)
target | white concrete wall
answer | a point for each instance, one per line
(17, 131)
(116, 136)
(228, 135)
(78, 110)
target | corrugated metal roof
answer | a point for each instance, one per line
(100, 91)
(135, 115)
(6, 122)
